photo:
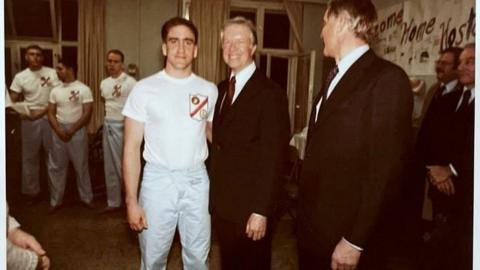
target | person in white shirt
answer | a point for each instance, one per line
(69, 110)
(34, 84)
(114, 90)
(172, 110)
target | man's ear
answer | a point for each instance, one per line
(343, 22)
(164, 49)
(253, 50)
(195, 52)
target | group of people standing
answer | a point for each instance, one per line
(357, 157)
(60, 107)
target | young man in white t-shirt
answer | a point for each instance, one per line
(115, 90)
(34, 83)
(172, 110)
(69, 110)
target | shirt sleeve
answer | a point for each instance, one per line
(212, 103)
(52, 98)
(16, 85)
(135, 106)
(87, 95)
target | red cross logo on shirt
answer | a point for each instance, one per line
(45, 81)
(117, 90)
(74, 95)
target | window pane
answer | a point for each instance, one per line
(248, 14)
(278, 70)
(69, 20)
(276, 30)
(32, 18)
(8, 26)
(47, 57)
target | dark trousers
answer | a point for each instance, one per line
(237, 251)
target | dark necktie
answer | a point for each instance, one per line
(227, 101)
(313, 116)
(466, 98)
(440, 91)
(230, 91)
(328, 81)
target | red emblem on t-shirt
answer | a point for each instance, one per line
(74, 95)
(198, 107)
(117, 90)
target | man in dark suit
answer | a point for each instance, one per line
(250, 138)
(429, 148)
(357, 147)
(453, 175)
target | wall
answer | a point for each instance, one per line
(133, 26)
(312, 24)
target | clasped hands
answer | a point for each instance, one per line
(442, 178)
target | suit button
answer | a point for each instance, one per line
(218, 147)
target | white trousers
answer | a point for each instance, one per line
(170, 198)
(76, 150)
(112, 156)
(35, 134)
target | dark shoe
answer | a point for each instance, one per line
(89, 205)
(109, 209)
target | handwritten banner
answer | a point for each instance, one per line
(412, 34)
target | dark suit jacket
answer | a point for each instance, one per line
(248, 150)
(460, 155)
(356, 155)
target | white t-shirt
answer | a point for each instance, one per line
(35, 86)
(69, 98)
(174, 112)
(115, 92)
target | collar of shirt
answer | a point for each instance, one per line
(449, 87)
(345, 64)
(242, 77)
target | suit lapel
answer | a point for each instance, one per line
(351, 81)
(249, 91)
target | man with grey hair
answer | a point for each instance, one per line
(250, 136)
(357, 149)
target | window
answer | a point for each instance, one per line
(273, 31)
(52, 24)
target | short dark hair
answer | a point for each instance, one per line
(175, 21)
(69, 63)
(456, 54)
(117, 52)
(362, 13)
(34, 47)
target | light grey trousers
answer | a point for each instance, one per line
(172, 198)
(35, 134)
(112, 156)
(75, 150)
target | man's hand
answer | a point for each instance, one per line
(438, 174)
(256, 227)
(446, 187)
(24, 240)
(43, 263)
(34, 115)
(136, 217)
(62, 134)
(345, 257)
